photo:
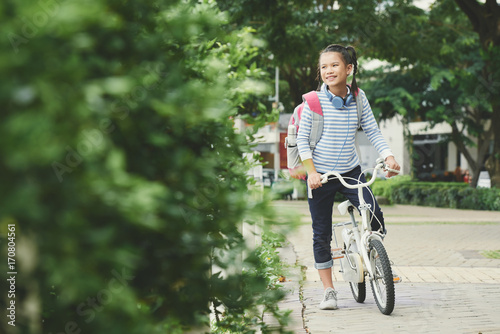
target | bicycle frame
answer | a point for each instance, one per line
(364, 253)
(361, 237)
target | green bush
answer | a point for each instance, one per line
(121, 169)
(269, 268)
(439, 194)
(384, 187)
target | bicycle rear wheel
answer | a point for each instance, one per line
(382, 284)
(358, 291)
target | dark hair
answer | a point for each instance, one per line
(349, 55)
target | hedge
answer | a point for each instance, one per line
(438, 194)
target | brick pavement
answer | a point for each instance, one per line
(448, 286)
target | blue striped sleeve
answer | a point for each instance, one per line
(305, 125)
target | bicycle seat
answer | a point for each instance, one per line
(344, 206)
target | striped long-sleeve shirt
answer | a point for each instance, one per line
(336, 148)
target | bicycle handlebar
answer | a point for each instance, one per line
(380, 165)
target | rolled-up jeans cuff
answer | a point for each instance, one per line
(324, 265)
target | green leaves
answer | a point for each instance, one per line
(439, 76)
(120, 158)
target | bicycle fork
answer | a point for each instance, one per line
(361, 242)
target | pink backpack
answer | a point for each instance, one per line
(294, 163)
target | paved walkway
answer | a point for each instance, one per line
(448, 285)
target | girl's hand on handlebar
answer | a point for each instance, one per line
(314, 180)
(391, 164)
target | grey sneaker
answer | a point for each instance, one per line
(329, 301)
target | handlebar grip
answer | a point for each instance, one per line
(392, 170)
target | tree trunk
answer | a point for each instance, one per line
(493, 162)
(483, 143)
(456, 138)
(485, 19)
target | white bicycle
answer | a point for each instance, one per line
(364, 254)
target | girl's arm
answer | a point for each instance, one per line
(372, 131)
(305, 125)
(313, 177)
(304, 133)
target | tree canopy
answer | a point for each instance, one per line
(441, 60)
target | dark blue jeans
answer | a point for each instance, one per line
(321, 208)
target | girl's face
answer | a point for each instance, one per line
(334, 71)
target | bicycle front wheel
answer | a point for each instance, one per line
(382, 284)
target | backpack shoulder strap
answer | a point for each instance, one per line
(312, 100)
(297, 112)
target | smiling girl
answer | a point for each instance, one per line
(336, 151)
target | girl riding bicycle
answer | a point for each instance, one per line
(336, 151)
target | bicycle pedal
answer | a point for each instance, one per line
(337, 253)
(396, 279)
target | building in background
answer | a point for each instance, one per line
(434, 158)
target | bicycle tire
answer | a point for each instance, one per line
(382, 284)
(358, 291)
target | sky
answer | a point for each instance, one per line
(424, 4)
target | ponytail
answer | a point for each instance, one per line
(349, 56)
(354, 61)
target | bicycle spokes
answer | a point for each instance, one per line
(381, 282)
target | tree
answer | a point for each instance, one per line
(445, 86)
(433, 48)
(446, 74)
(121, 170)
(296, 31)
(485, 19)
